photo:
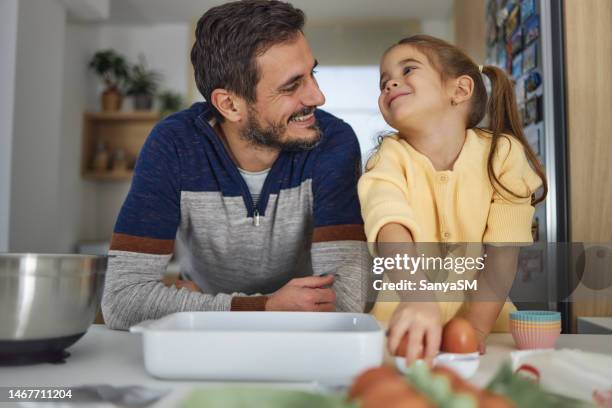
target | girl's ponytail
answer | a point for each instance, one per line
(504, 118)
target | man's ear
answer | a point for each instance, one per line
(231, 107)
(464, 87)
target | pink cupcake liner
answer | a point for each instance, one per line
(536, 326)
(526, 338)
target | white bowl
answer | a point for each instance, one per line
(464, 365)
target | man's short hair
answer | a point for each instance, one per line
(231, 36)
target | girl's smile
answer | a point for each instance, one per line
(411, 90)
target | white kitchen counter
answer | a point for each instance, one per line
(105, 356)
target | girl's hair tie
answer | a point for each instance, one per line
(480, 68)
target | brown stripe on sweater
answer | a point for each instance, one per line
(346, 232)
(249, 303)
(131, 243)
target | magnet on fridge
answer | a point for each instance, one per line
(502, 15)
(521, 109)
(501, 56)
(532, 82)
(519, 88)
(532, 134)
(491, 31)
(530, 57)
(533, 110)
(532, 29)
(512, 22)
(516, 41)
(528, 7)
(517, 65)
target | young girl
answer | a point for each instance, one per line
(442, 179)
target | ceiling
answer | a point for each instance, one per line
(317, 11)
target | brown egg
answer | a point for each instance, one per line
(458, 336)
(370, 377)
(400, 351)
(385, 393)
(398, 400)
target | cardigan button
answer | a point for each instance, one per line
(446, 235)
(443, 178)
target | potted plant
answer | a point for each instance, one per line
(142, 84)
(170, 102)
(113, 70)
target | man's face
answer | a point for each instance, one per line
(286, 96)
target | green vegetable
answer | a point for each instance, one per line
(462, 401)
(419, 375)
(248, 397)
(436, 387)
(440, 389)
(525, 393)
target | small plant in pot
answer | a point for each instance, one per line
(142, 84)
(170, 102)
(113, 70)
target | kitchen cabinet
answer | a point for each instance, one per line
(588, 56)
(113, 139)
(470, 28)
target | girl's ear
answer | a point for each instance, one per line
(464, 87)
(232, 107)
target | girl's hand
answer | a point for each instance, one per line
(482, 346)
(422, 322)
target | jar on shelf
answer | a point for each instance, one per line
(120, 163)
(101, 158)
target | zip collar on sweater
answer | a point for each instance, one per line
(254, 210)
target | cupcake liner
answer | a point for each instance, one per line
(551, 325)
(529, 338)
(535, 316)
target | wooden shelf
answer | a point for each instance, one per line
(108, 175)
(118, 131)
(124, 116)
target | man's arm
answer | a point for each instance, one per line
(338, 243)
(143, 243)
(134, 291)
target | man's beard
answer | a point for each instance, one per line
(272, 136)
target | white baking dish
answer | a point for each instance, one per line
(330, 348)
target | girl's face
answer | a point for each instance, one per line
(411, 90)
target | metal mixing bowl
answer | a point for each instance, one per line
(47, 302)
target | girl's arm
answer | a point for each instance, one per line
(494, 284)
(420, 319)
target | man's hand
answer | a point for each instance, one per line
(187, 284)
(310, 294)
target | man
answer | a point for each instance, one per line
(260, 184)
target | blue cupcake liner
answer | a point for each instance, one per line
(535, 316)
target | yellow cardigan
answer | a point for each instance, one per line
(401, 186)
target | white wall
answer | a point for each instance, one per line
(35, 175)
(356, 105)
(8, 46)
(51, 207)
(441, 28)
(80, 204)
(165, 47)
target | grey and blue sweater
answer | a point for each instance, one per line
(185, 186)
